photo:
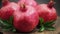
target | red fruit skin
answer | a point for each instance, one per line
(28, 2)
(5, 2)
(26, 21)
(5, 14)
(48, 14)
(7, 10)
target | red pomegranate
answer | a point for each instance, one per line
(25, 19)
(47, 11)
(8, 8)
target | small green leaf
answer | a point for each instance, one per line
(42, 28)
(41, 20)
(11, 19)
(6, 22)
(1, 23)
(7, 25)
(9, 28)
(13, 30)
(50, 28)
(49, 23)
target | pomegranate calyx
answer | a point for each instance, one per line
(23, 7)
(51, 3)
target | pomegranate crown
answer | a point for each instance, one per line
(51, 3)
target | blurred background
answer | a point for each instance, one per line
(57, 5)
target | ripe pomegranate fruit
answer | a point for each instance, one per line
(25, 19)
(8, 8)
(47, 11)
(28, 2)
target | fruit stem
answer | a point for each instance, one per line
(51, 3)
(23, 7)
(5, 2)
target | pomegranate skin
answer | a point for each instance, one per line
(7, 10)
(5, 2)
(28, 2)
(48, 14)
(26, 21)
(5, 14)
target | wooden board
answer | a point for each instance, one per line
(57, 31)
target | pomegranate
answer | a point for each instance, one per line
(28, 2)
(8, 8)
(25, 19)
(47, 11)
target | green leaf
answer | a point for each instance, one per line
(41, 20)
(50, 28)
(42, 28)
(3, 24)
(9, 28)
(49, 23)
(13, 30)
(11, 19)
(7, 22)
(6, 29)
(7, 25)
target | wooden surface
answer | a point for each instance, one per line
(57, 31)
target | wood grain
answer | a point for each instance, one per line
(57, 31)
